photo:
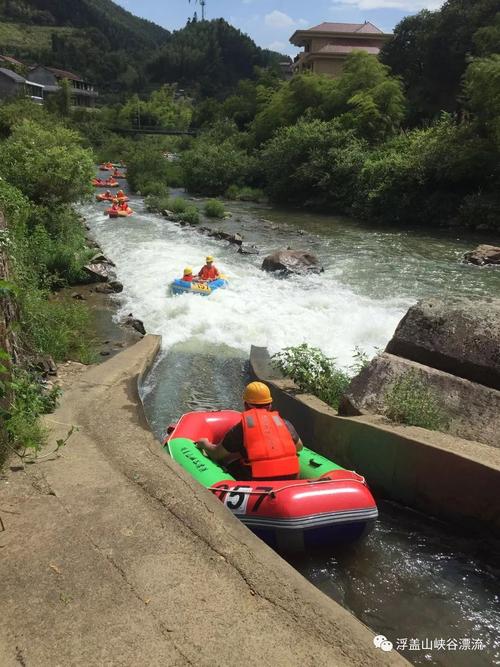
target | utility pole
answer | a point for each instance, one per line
(202, 4)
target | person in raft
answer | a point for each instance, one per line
(262, 445)
(188, 275)
(120, 194)
(209, 271)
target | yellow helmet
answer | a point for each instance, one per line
(209, 258)
(257, 393)
(188, 271)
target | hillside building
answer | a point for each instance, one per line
(83, 94)
(15, 85)
(326, 46)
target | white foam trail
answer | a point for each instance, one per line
(256, 309)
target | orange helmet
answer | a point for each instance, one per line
(257, 393)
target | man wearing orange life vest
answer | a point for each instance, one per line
(209, 271)
(263, 445)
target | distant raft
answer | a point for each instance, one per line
(111, 197)
(105, 183)
(122, 213)
(180, 286)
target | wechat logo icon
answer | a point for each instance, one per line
(381, 642)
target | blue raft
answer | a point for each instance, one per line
(204, 289)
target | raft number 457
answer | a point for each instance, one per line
(236, 498)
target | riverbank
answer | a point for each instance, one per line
(149, 566)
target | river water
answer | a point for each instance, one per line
(413, 578)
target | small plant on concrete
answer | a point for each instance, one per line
(410, 402)
(214, 209)
(313, 371)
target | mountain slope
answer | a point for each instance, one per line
(121, 28)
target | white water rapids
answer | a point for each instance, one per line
(257, 308)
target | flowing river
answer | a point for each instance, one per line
(414, 578)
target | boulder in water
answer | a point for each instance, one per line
(483, 255)
(98, 272)
(292, 262)
(136, 324)
(248, 249)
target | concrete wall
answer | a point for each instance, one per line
(331, 67)
(444, 476)
(9, 88)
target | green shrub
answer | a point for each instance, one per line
(156, 188)
(156, 204)
(28, 402)
(178, 205)
(48, 165)
(214, 209)
(58, 329)
(244, 193)
(313, 372)
(191, 215)
(210, 168)
(409, 401)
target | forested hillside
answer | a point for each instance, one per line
(124, 54)
(209, 56)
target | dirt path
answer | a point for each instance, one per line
(112, 555)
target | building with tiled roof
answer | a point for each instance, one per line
(83, 94)
(327, 45)
(13, 84)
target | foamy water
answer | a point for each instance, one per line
(257, 308)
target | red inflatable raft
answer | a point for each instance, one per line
(327, 505)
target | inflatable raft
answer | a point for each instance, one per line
(327, 505)
(119, 174)
(118, 214)
(105, 183)
(180, 286)
(110, 197)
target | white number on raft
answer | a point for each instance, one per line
(237, 502)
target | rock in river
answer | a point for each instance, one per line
(289, 261)
(483, 255)
(98, 272)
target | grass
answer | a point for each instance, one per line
(22, 37)
(191, 215)
(409, 401)
(214, 209)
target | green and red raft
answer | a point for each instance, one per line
(326, 505)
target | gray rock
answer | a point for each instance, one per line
(473, 410)
(98, 272)
(226, 236)
(461, 338)
(101, 259)
(112, 286)
(483, 255)
(78, 296)
(170, 215)
(248, 249)
(136, 324)
(292, 262)
(45, 366)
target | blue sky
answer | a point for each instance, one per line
(271, 22)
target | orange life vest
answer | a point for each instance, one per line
(209, 273)
(270, 448)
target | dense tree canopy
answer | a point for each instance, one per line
(431, 51)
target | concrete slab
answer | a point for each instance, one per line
(121, 559)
